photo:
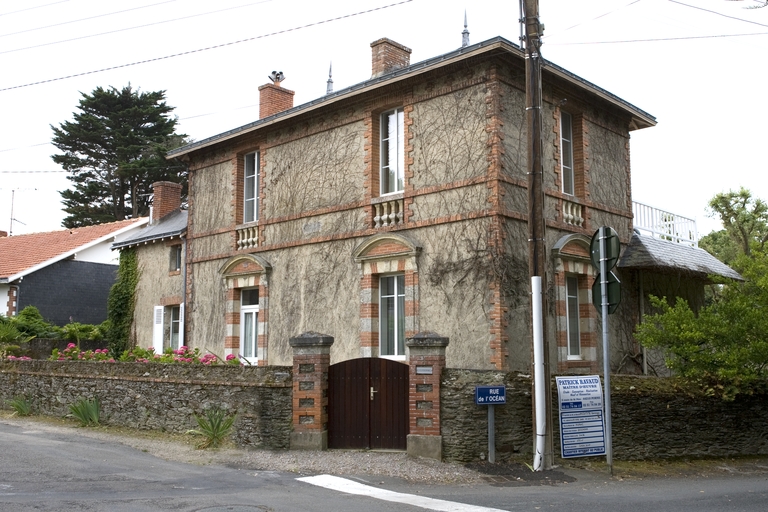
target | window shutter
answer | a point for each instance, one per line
(181, 324)
(157, 330)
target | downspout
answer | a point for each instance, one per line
(538, 373)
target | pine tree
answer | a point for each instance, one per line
(114, 150)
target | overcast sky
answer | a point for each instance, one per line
(698, 66)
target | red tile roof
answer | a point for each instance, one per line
(19, 253)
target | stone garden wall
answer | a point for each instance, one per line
(160, 396)
(650, 419)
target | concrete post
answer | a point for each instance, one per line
(311, 358)
(426, 359)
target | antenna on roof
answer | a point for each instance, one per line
(329, 86)
(465, 33)
(277, 77)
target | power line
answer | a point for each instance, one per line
(132, 28)
(593, 19)
(654, 40)
(85, 19)
(207, 48)
(718, 13)
(35, 7)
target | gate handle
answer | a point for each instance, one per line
(372, 392)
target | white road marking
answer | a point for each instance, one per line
(348, 486)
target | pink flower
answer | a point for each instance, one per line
(230, 357)
(71, 345)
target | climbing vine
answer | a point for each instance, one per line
(122, 299)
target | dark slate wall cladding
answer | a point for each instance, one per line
(69, 288)
(159, 396)
(649, 420)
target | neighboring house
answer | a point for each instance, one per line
(399, 206)
(65, 274)
(160, 250)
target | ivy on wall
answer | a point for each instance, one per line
(121, 302)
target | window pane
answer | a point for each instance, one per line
(392, 157)
(572, 305)
(388, 319)
(249, 297)
(400, 150)
(249, 334)
(400, 315)
(566, 150)
(251, 192)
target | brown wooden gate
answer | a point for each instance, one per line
(368, 404)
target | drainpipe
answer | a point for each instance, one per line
(539, 382)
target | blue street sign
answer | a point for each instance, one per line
(490, 395)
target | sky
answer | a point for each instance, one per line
(698, 66)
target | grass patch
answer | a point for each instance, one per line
(20, 406)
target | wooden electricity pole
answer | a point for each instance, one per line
(537, 256)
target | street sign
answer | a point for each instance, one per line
(612, 248)
(582, 429)
(613, 296)
(490, 395)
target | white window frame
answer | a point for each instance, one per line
(398, 298)
(164, 325)
(251, 188)
(252, 311)
(176, 258)
(572, 317)
(566, 153)
(391, 152)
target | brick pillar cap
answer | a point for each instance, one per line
(426, 339)
(311, 339)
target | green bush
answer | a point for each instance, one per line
(215, 425)
(20, 406)
(87, 412)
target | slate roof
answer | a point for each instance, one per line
(23, 254)
(644, 252)
(172, 225)
(641, 118)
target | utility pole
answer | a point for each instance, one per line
(537, 256)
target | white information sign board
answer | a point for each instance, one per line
(582, 426)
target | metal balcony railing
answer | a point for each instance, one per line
(664, 225)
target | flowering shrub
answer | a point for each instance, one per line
(183, 355)
(22, 358)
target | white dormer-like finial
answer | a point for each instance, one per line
(329, 86)
(465, 33)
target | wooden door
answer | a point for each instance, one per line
(368, 404)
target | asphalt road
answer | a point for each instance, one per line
(46, 471)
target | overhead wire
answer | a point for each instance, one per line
(86, 19)
(189, 52)
(32, 8)
(132, 28)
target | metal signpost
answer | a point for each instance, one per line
(582, 430)
(491, 396)
(604, 253)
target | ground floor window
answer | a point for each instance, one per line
(392, 315)
(168, 330)
(249, 324)
(572, 316)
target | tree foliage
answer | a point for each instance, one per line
(121, 301)
(725, 345)
(114, 149)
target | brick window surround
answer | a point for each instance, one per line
(571, 255)
(386, 253)
(246, 271)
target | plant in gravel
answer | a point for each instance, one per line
(215, 424)
(87, 412)
(20, 406)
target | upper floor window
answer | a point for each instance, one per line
(251, 189)
(392, 154)
(566, 152)
(175, 263)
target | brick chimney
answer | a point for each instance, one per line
(167, 199)
(273, 98)
(387, 56)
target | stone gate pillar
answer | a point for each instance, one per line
(426, 359)
(311, 358)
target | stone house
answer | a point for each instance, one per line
(392, 210)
